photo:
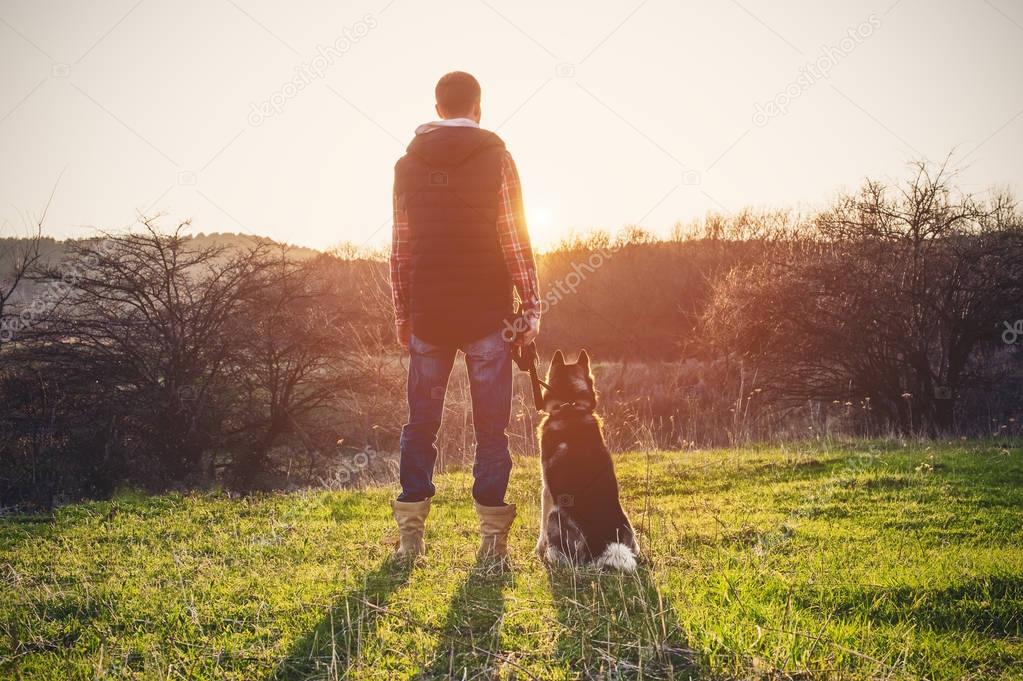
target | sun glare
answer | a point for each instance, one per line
(542, 226)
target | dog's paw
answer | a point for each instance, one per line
(618, 556)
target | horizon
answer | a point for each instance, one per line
(244, 117)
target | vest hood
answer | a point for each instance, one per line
(452, 146)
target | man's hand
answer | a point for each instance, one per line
(533, 330)
(404, 333)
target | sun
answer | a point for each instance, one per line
(543, 230)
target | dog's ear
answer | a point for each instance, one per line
(559, 359)
(584, 360)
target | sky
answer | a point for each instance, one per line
(285, 119)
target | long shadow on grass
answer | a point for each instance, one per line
(470, 639)
(334, 644)
(618, 626)
(989, 606)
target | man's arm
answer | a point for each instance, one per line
(515, 244)
(400, 257)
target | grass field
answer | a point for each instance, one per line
(856, 560)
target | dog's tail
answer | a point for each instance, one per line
(618, 556)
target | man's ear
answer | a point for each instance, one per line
(584, 360)
(559, 359)
(437, 109)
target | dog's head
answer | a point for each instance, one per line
(570, 383)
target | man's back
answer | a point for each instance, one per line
(448, 186)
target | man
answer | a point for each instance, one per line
(460, 247)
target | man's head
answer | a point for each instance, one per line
(458, 96)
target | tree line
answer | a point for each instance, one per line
(153, 358)
(140, 356)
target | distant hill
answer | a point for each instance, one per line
(54, 249)
(239, 241)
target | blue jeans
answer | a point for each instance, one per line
(489, 363)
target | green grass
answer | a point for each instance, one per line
(861, 560)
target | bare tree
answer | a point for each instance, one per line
(18, 259)
(296, 360)
(886, 300)
(147, 327)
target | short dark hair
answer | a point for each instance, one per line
(457, 92)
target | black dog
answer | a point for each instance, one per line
(581, 520)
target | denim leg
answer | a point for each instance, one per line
(490, 382)
(429, 368)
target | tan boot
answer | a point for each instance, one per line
(411, 519)
(495, 522)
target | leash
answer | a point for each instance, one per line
(525, 358)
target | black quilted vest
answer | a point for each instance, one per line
(448, 182)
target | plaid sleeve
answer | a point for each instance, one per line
(511, 227)
(400, 257)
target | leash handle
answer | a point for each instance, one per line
(534, 380)
(525, 357)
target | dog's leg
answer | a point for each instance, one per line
(547, 499)
(565, 543)
(546, 504)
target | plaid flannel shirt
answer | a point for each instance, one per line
(514, 237)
